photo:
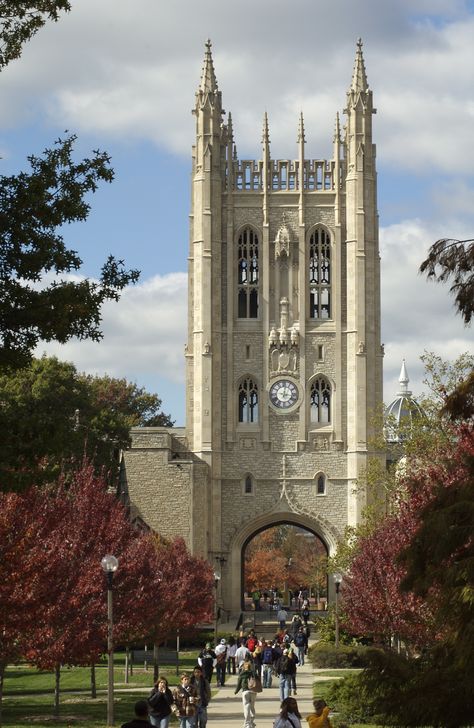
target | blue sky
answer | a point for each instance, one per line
(122, 75)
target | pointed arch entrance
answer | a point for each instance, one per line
(320, 528)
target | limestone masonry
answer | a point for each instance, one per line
(283, 357)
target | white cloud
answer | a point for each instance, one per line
(131, 68)
(417, 315)
(144, 334)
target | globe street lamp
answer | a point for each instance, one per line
(110, 565)
(337, 583)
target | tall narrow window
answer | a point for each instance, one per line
(321, 485)
(320, 274)
(320, 401)
(248, 485)
(248, 401)
(247, 274)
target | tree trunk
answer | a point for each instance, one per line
(93, 683)
(127, 663)
(2, 675)
(155, 663)
(57, 677)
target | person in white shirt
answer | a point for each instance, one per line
(241, 655)
(221, 656)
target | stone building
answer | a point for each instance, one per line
(284, 359)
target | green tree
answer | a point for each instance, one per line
(51, 415)
(38, 298)
(21, 20)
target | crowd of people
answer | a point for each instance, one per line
(257, 664)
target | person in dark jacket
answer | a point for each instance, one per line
(204, 693)
(160, 701)
(207, 660)
(141, 716)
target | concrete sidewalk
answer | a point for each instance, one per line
(225, 708)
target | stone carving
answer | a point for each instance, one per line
(282, 243)
(248, 443)
(284, 344)
(207, 349)
(361, 349)
(321, 444)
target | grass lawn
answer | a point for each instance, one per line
(29, 693)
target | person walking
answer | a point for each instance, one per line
(231, 650)
(186, 701)
(248, 696)
(242, 654)
(290, 716)
(160, 701)
(301, 644)
(268, 658)
(207, 660)
(221, 657)
(282, 667)
(282, 616)
(203, 690)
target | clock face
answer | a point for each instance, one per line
(283, 394)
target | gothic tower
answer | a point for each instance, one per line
(283, 358)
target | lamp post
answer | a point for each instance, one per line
(337, 583)
(217, 578)
(110, 565)
(286, 590)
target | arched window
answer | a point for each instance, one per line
(248, 485)
(248, 401)
(247, 274)
(320, 401)
(320, 274)
(321, 485)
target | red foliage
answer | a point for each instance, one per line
(186, 590)
(374, 599)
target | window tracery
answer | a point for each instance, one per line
(247, 274)
(320, 401)
(248, 401)
(320, 274)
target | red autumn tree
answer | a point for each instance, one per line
(186, 590)
(25, 522)
(71, 628)
(372, 599)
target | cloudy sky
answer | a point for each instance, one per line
(122, 75)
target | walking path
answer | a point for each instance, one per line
(225, 708)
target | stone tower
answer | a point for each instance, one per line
(283, 358)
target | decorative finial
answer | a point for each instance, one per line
(265, 133)
(208, 76)
(301, 136)
(337, 129)
(359, 77)
(403, 379)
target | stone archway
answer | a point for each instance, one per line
(260, 523)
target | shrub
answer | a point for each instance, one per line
(323, 654)
(351, 700)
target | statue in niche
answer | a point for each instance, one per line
(207, 348)
(282, 243)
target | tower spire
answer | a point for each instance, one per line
(359, 76)
(265, 132)
(301, 137)
(208, 77)
(403, 379)
(337, 129)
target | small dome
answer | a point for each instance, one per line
(402, 411)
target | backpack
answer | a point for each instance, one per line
(300, 640)
(283, 664)
(267, 658)
(251, 643)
